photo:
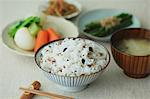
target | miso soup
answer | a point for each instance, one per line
(137, 47)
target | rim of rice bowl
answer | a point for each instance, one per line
(42, 47)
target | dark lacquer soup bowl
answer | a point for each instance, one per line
(132, 65)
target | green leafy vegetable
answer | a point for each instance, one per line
(97, 29)
(23, 23)
(13, 29)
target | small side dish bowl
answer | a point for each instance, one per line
(45, 5)
(100, 14)
(71, 83)
(134, 66)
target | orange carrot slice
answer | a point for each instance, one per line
(53, 35)
(42, 38)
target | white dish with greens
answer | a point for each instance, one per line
(101, 23)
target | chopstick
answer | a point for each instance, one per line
(41, 93)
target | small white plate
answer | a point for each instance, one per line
(64, 27)
(45, 5)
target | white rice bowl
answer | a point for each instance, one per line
(72, 62)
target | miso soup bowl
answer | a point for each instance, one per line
(132, 66)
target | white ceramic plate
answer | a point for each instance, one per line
(99, 14)
(64, 27)
(74, 2)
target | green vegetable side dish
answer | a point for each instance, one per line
(108, 25)
(32, 23)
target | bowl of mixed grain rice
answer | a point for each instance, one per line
(72, 63)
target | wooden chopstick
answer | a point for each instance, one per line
(41, 93)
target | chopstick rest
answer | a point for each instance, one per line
(35, 86)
